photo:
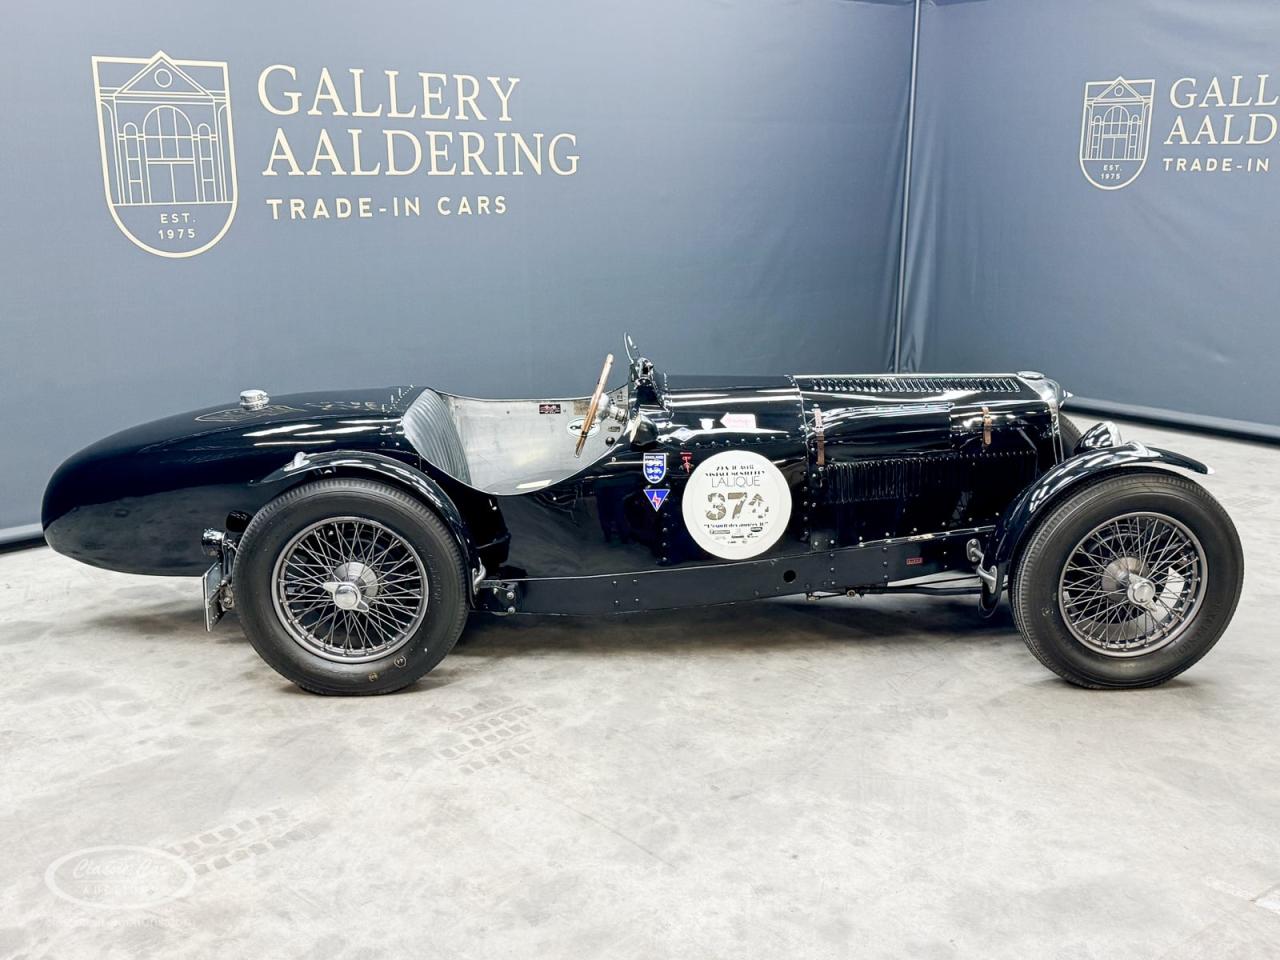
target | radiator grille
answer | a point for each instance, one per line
(912, 385)
(894, 477)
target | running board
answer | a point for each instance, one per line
(868, 565)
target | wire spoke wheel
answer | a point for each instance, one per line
(350, 589)
(1133, 584)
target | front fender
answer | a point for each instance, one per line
(1035, 500)
(395, 472)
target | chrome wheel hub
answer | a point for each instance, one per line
(1133, 584)
(350, 589)
(1141, 591)
(1118, 572)
(362, 575)
(353, 585)
(346, 596)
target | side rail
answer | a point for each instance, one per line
(867, 567)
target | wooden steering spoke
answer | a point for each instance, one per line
(590, 418)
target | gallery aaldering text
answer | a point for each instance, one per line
(403, 150)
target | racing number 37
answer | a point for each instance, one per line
(719, 507)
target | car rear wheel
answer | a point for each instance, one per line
(348, 586)
(1129, 581)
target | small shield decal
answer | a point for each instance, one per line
(655, 467)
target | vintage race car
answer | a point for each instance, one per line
(353, 533)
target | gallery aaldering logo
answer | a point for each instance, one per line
(1115, 131)
(349, 144)
(1222, 124)
(168, 154)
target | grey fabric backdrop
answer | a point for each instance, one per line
(1159, 294)
(736, 207)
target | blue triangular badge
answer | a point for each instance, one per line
(657, 497)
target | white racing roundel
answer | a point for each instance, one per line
(736, 505)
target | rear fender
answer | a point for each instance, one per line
(392, 471)
(1089, 464)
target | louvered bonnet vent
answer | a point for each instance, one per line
(909, 385)
(940, 474)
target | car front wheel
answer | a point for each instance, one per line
(348, 586)
(1128, 581)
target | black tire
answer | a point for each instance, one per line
(1070, 435)
(274, 527)
(1034, 591)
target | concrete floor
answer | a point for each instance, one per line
(876, 778)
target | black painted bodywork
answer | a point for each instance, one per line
(137, 501)
(890, 478)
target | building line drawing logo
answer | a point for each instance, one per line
(1115, 130)
(168, 152)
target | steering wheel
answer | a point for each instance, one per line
(596, 397)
